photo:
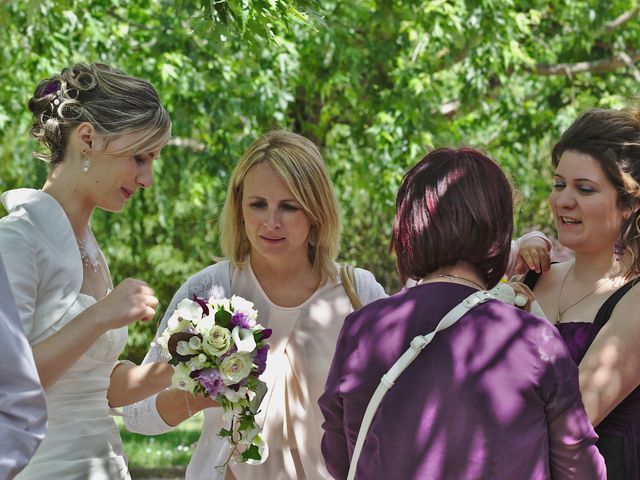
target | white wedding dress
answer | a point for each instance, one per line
(82, 441)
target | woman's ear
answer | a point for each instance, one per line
(85, 134)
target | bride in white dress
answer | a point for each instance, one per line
(102, 129)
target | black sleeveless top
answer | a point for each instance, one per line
(620, 431)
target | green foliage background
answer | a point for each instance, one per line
(375, 83)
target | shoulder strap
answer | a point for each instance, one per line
(348, 277)
(389, 378)
(605, 311)
(531, 278)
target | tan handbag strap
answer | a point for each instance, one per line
(348, 277)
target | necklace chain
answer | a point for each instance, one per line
(451, 276)
(562, 311)
(88, 260)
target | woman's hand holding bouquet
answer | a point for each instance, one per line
(218, 349)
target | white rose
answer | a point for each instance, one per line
(217, 341)
(181, 378)
(243, 339)
(235, 367)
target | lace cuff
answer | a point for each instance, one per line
(143, 417)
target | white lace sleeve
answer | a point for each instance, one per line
(367, 287)
(143, 416)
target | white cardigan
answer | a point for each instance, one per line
(42, 259)
(215, 280)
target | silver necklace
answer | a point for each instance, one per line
(88, 260)
(562, 311)
(452, 277)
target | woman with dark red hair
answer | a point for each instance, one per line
(496, 394)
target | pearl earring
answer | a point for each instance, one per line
(85, 163)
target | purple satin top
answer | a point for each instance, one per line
(495, 396)
(619, 432)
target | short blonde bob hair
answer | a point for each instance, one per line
(298, 162)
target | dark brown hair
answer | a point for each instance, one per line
(612, 138)
(454, 205)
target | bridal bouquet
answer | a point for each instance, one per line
(218, 349)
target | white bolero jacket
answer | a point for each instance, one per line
(42, 260)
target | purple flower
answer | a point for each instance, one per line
(260, 359)
(202, 304)
(210, 380)
(264, 334)
(240, 319)
(49, 88)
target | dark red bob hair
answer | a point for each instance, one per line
(454, 205)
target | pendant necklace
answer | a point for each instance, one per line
(562, 311)
(88, 260)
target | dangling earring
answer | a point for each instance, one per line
(85, 163)
(618, 250)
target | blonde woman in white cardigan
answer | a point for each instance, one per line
(280, 232)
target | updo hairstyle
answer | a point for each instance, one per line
(113, 102)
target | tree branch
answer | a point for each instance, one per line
(631, 64)
(621, 20)
(603, 65)
(189, 143)
(619, 60)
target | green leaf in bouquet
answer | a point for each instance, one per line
(225, 433)
(224, 402)
(261, 390)
(223, 318)
(174, 361)
(247, 421)
(251, 453)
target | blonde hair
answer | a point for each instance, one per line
(298, 162)
(113, 102)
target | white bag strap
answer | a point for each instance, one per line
(389, 378)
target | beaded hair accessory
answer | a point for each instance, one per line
(53, 88)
